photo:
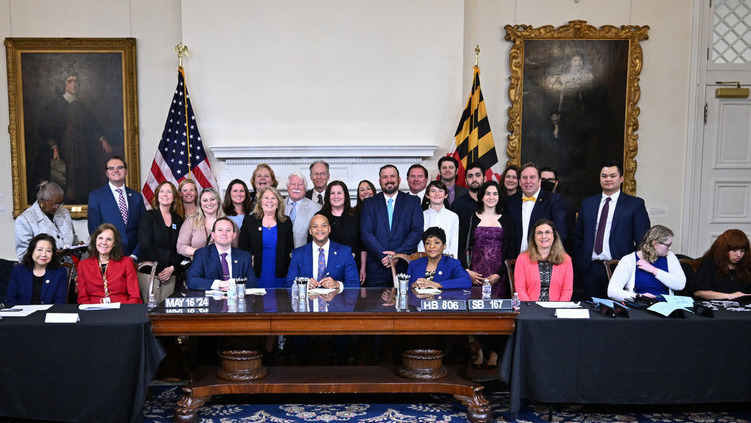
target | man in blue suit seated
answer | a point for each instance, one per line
(610, 225)
(117, 204)
(211, 268)
(391, 222)
(327, 264)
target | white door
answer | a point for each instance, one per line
(725, 187)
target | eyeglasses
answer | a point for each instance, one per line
(55, 205)
(667, 245)
(544, 233)
(115, 167)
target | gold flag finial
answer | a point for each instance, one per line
(477, 54)
(181, 49)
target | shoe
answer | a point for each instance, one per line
(478, 366)
(490, 366)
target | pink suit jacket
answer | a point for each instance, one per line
(527, 280)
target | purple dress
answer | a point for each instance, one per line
(487, 257)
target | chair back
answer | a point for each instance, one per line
(152, 276)
(510, 264)
(72, 297)
(407, 258)
(610, 267)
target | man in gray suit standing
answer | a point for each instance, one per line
(299, 209)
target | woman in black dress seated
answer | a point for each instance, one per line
(39, 279)
(725, 271)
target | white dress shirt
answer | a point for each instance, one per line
(215, 284)
(117, 196)
(527, 207)
(449, 222)
(605, 254)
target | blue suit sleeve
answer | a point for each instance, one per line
(351, 274)
(641, 220)
(61, 286)
(295, 266)
(141, 211)
(197, 271)
(458, 277)
(368, 228)
(94, 213)
(416, 227)
(11, 298)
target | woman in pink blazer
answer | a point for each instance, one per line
(544, 272)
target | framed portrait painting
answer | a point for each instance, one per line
(73, 104)
(574, 91)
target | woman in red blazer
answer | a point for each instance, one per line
(544, 272)
(107, 276)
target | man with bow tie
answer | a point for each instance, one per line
(533, 203)
(215, 264)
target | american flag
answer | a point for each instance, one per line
(181, 153)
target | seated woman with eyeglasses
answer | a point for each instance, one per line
(437, 270)
(651, 270)
(544, 272)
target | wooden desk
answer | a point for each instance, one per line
(352, 312)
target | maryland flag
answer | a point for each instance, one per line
(474, 142)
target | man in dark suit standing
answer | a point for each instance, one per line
(215, 264)
(391, 222)
(327, 263)
(319, 175)
(610, 225)
(448, 168)
(533, 203)
(117, 204)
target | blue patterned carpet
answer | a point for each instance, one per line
(419, 409)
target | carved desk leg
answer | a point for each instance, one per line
(478, 407)
(187, 407)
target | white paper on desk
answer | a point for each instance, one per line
(25, 310)
(572, 313)
(679, 300)
(61, 318)
(666, 308)
(255, 291)
(321, 291)
(100, 306)
(558, 304)
(428, 291)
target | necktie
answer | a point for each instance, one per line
(225, 267)
(321, 264)
(601, 226)
(122, 205)
(320, 199)
(390, 209)
(293, 211)
(524, 199)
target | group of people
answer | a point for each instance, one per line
(467, 234)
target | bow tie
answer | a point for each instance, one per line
(524, 199)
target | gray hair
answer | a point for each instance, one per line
(323, 162)
(48, 190)
(299, 175)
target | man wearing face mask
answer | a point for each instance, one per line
(549, 181)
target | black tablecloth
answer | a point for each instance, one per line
(646, 359)
(96, 370)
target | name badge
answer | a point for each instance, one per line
(105, 300)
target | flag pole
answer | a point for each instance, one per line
(181, 49)
(477, 54)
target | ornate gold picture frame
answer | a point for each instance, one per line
(574, 92)
(73, 103)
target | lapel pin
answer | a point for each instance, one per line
(47, 281)
(440, 273)
(259, 229)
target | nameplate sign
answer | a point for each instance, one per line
(489, 305)
(202, 310)
(443, 305)
(186, 302)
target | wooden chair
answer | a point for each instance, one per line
(510, 264)
(693, 263)
(407, 258)
(610, 267)
(72, 297)
(152, 275)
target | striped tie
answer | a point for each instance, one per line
(123, 206)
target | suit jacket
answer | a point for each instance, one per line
(309, 195)
(527, 280)
(548, 205)
(340, 266)
(449, 273)
(54, 286)
(159, 242)
(121, 281)
(405, 234)
(104, 209)
(306, 209)
(33, 222)
(630, 222)
(207, 267)
(251, 240)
